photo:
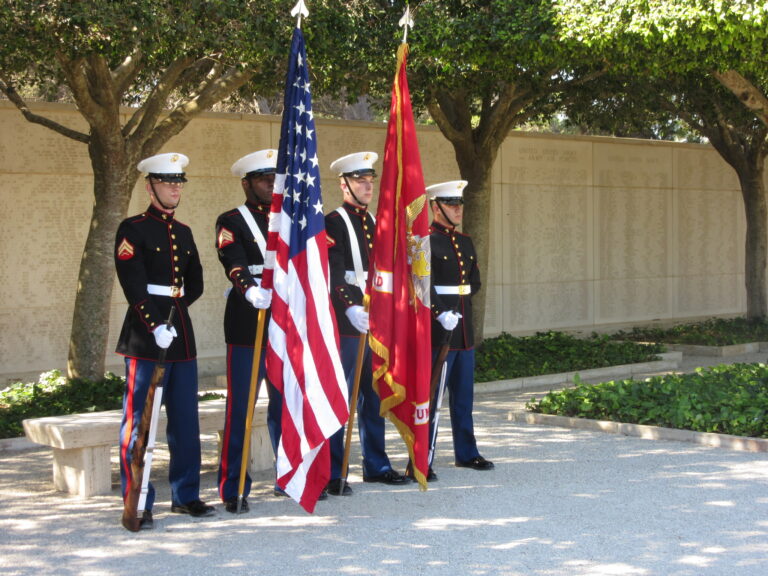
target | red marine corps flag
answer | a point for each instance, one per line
(399, 289)
(303, 350)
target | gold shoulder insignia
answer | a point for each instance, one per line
(125, 250)
(225, 238)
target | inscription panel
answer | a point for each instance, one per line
(438, 158)
(702, 168)
(543, 306)
(27, 148)
(491, 275)
(546, 233)
(213, 143)
(537, 160)
(631, 299)
(41, 248)
(701, 295)
(711, 232)
(634, 233)
(640, 165)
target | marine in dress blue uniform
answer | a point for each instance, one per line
(241, 243)
(350, 231)
(158, 267)
(455, 279)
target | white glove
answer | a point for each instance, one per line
(449, 320)
(259, 297)
(359, 318)
(163, 336)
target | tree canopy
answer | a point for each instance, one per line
(480, 68)
(703, 61)
(139, 71)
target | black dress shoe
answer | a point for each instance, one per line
(431, 476)
(146, 522)
(324, 494)
(231, 506)
(196, 508)
(477, 463)
(279, 492)
(334, 487)
(389, 477)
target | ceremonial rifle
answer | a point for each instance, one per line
(144, 446)
(437, 384)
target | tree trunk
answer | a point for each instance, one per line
(756, 251)
(746, 155)
(476, 170)
(113, 179)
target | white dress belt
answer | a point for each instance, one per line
(170, 291)
(256, 269)
(461, 289)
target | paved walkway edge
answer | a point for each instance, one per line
(16, 444)
(726, 441)
(670, 361)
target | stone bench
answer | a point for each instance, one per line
(82, 442)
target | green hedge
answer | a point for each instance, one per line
(52, 394)
(506, 356)
(712, 332)
(727, 399)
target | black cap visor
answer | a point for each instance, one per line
(453, 201)
(258, 173)
(360, 173)
(180, 177)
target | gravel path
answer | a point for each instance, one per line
(560, 502)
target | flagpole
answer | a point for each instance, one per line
(252, 396)
(352, 410)
(303, 357)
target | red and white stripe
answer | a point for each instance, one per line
(302, 358)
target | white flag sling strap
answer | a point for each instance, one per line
(255, 230)
(357, 260)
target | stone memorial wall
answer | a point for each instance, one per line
(586, 233)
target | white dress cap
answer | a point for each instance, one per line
(452, 189)
(261, 162)
(171, 164)
(356, 164)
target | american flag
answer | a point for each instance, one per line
(303, 349)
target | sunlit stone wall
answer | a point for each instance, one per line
(586, 233)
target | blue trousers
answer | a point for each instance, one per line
(370, 424)
(460, 383)
(182, 432)
(239, 366)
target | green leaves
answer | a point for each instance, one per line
(711, 332)
(726, 399)
(552, 352)
(54, 395)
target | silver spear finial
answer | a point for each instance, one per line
(301, 10)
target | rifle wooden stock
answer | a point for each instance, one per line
(131, 520)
